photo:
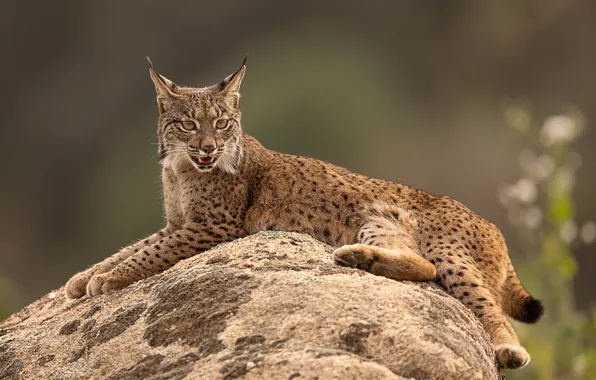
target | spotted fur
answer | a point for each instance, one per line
(383, 227)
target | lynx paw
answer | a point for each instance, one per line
(76, 286)
(512, 356)
(106, 282)
(355, 256)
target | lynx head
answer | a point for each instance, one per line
(201, 125)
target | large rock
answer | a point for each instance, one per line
(270, 306)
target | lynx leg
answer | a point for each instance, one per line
(466, 283)
(509, 352)
(387, 248)
(192, 239)
(77, 285)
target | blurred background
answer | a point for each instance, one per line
(489, 102)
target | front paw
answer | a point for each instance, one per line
(76, 286)
(106, 282)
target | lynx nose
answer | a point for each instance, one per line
(208, 149)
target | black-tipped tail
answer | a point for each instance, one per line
(517, 302)
(532, 311)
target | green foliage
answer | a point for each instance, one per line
(542, 209)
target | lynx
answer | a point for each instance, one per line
(221, 184)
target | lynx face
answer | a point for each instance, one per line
(200, 125)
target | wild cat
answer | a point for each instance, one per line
(221, 184)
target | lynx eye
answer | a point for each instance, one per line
(186, 126)
(222, 123)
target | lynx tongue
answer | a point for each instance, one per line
(206, 160)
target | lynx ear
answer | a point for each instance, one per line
(230, 87)
(163, 86)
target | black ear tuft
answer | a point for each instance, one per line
(231, 83)
(150, 63)
(163, 86)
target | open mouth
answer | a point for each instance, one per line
(205, 161)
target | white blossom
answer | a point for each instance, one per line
(523, 191)
(537, 168)
(559, 129)
(568, 231)
(588, 232)
(579, 365)
(527, 190)
(544, 167)
(503, 196)
(533, 217)
(518, 117)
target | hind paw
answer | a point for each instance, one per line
(512, 356)
(355, 256)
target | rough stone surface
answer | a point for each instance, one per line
(270, 306)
